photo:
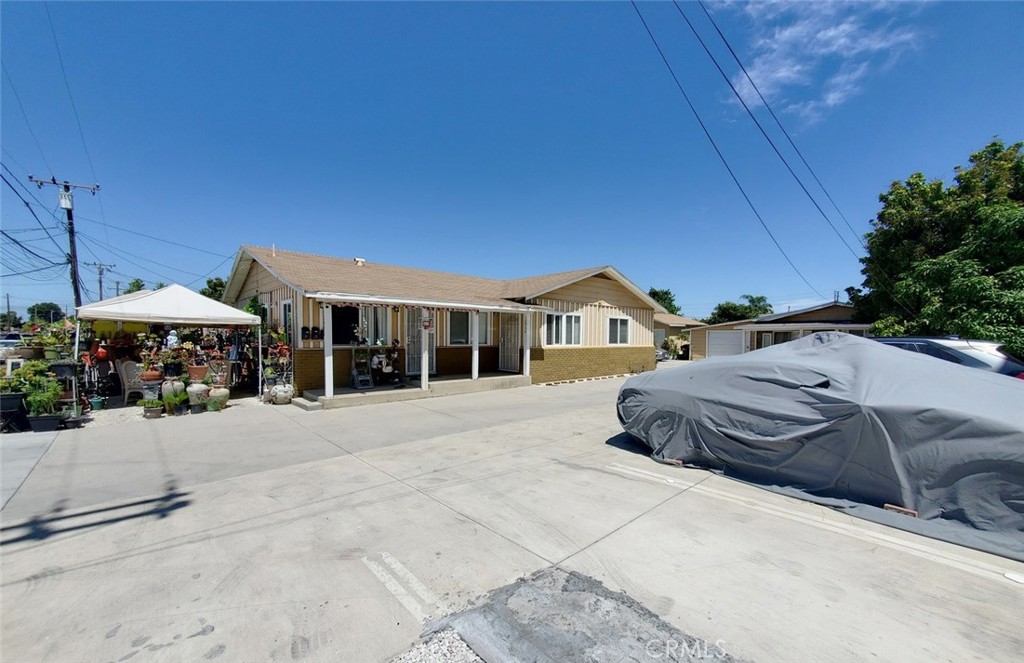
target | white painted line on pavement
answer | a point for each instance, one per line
(395, 587)
(412, 581)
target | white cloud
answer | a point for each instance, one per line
(811, 57)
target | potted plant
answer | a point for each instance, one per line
(14, 387)
(43, 394)
(97, 402)
(176, 403)
(213, 405)
(151, 408)
(269, 372)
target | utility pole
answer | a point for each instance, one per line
(9, 326)
(67, 204)
(117, 288)
(100, 269)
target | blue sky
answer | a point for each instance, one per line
(494, 139)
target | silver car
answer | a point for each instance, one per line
(986, 355)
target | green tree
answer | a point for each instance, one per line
(754, 306)
(665, 298)
(214, 288)
(133, 286)
(10, 320)
(950, 260)
(45, 312)
(159, 284)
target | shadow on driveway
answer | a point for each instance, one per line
(42, 527)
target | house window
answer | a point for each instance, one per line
(375, 325)
(618, 331)
(458, 327)
(286, 319)
(563, 329)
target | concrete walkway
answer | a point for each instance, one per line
(277, 534)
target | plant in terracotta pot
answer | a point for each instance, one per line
(150, 361)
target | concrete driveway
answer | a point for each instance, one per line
(273, 534)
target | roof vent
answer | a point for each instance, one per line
(359, 261)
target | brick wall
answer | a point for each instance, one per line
(554, 364)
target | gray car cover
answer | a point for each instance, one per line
(851, 423)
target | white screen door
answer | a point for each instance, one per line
(413, 353)
(508, 346)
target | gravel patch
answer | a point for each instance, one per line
(444, 647)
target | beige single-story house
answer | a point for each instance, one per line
(732, 338)
(669, 324)
(584, 323)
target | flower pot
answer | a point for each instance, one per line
(180, 409)
(197, 373)
(51, 353)
(152, 412)
(45, 423)
(196, 393)
(11, 402)
(198, 408)
(31, 352)
(151, 375)
(172, 369)
(96, 402)
(221, 394)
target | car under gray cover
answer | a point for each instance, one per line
(854, 424)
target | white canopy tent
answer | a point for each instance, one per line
(171, 305)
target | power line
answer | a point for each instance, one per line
(209, 272)
(32, 271)
(763, 132)
(74, 108)
(719, 152)
(156, 239)
(32, 195)
(28, 124)
(122, 251)
(31, 211)
(26, 249)
(779, 123)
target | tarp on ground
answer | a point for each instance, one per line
(173, 305)
(851, 423)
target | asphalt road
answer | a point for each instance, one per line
(273, 534)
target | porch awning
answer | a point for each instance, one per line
(373, 300)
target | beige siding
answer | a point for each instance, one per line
(595, 318)
(598, 288)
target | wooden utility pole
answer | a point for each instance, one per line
(67, 203)
(100, 269)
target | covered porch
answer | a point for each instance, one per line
(415, 327)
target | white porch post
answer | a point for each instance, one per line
(474, 331)
(424, 350)
(528, 319)
(328, 340)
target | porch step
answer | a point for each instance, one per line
(308, 406)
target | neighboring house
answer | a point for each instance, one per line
(584, 323)
(667, 324)
(732, 338)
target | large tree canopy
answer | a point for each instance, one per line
(950, 260)
(45, 311)
(663, 297)
(214, 288)
(754, 306)
(134, 286)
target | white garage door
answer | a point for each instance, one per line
(725, 343)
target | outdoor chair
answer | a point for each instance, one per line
(131, 383)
